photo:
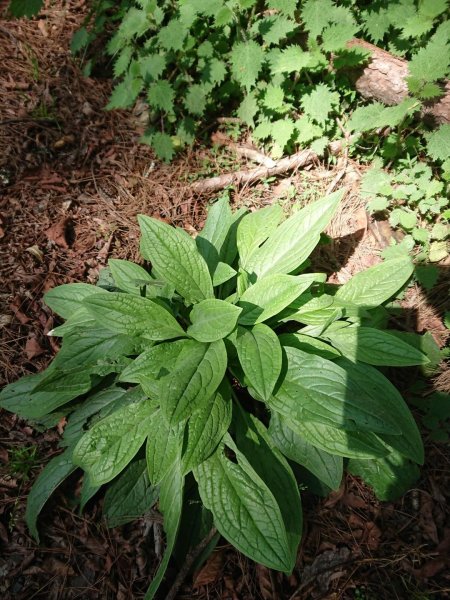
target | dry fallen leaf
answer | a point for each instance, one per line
(33, 348)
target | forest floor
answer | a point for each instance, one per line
(73, 177)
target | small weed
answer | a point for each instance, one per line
(22, 461)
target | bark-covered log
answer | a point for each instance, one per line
(384, 79)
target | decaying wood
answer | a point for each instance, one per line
(384, 79)
(290, 163)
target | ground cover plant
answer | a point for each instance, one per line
(205, 380)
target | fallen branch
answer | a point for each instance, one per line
(384, 79)
(290, 163)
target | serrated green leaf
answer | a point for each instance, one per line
(25, 8)
(316, 15)
(365, 118)
(327, 467)
(282, 131)
(106, 449)
(307, 130)
(152, 66)
(176, 258)
(160, 95)
(288, 60)
(123, 60)
(432, 62)
(293, 241)
(336, 35)
(163, 446)
(206, 430)
(390, 477)
(260, 355)
(376, 23)
(125, 93)
(288, 7)
(196, 375)
(80, 39)
(374, 286)
(248, 109)
(133, 315)
(405, 218)
(374, 347)
(440, 231)
(172, 36)
(196, 98)
(246, 62)
(275, 28)
(129, 496)
(273, 97)
(53, 474)
(270, 295)
(438, 143)
(319, 103)
(244, 509)
(212, 320)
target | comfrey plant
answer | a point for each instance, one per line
(204, 382)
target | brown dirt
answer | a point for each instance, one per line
(71, 187)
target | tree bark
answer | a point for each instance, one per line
(384, 79)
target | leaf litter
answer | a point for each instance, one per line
(72, 184)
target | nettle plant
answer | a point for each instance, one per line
(220, 379)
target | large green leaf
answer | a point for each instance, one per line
(390, 477)
(374, 347)
(175, 257)
(53, 474)
(374, 286)
(260, 356)
(326, 467)
(245, 511)
(128, 276)
(349, 444)
(316, 389)
(130, 495)
(409, 443)
(294, 240)
(89, 347)
(132, 315)
(163, 447)
(309, 344)
(269, 295)
(207, 428)
(255, 228)
(153, 363)
(197, 374)
(213, 235)
(106, 449)
(254, 441)
(212, 320)
(26, 399)
(65, 300)
(170, 504)
(74, 428)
